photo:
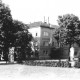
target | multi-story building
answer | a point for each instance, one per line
(42, 38)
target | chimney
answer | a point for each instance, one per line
(44, 19)
(48, 20)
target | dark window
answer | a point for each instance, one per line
(45, 52)
(36, 34)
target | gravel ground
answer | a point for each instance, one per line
(24, 72)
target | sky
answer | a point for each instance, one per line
(34, 10)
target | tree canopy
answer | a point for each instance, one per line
(69, 29)
(23, 39)
(13, 33)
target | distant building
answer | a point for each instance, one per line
(42, 38)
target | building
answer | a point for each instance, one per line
(42, 38)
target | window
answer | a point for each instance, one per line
(36, 34)
(46, 34)
(45, 43)
(45, 52)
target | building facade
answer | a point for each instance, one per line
(42, 38)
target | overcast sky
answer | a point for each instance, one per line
(34, 10)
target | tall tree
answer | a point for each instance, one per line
(23, 39)
(71, 24)
(13, 33)
(6, 29)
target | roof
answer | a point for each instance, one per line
(54, 26)
(42, 24)
(35, 24)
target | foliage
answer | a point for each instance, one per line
(13, 33)
(23, 39)
(69, 31)
(60, 35)
(71, 26)
(6, 29)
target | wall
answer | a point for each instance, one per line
(36, 38)
(35, 30)
(45, 42)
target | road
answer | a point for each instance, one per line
(24, 72)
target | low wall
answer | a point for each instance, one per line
(49, 63)
(52, 63)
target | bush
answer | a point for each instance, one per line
(56, 53)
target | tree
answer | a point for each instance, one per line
(23, 39)
(60, 35)
(71, 25)
(6, 30)
(13, 33)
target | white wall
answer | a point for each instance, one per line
(35, 30)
